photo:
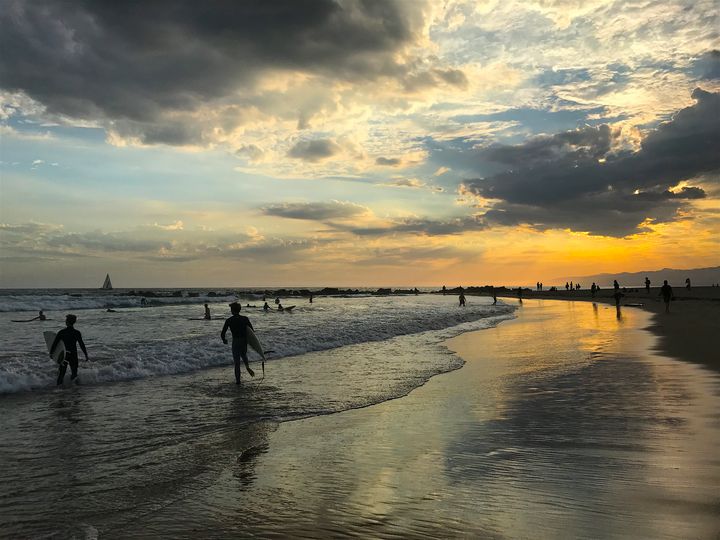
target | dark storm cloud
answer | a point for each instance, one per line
(559, 181)
(135, 62)
(317, 211)
(316, 150)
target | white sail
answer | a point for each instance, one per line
(107, 284)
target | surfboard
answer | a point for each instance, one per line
(32, 320)
(59, 354)
(289, 308)
(254, 342)
(634, 305)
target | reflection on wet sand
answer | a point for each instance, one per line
(560, 424)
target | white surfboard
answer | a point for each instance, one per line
(254, 342)
(59, 354)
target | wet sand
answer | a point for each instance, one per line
(690, 332)
(563, 423)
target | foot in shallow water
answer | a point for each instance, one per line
(251, 372)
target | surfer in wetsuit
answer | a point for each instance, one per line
(207, 313)
(238, 325)
(266, 307)
(70, 338)
(41, 317)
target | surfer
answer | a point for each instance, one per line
(70, 338)
(41, 316)
(266, 307)
(461, 299)
(207, 313)
(238, 325)
(280, 308)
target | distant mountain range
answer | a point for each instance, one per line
(698, 276)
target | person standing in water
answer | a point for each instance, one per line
(70, 338)
(461, 299)
(647, 285)
(238, 325)
(207, 313)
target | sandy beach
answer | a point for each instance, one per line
(691, 331)
(563, 423)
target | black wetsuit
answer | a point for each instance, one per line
(666, 291)
(70, 338)
(238, 325)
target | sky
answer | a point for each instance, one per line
(356, 143)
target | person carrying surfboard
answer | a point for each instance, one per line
(70, 338)
(238, 325)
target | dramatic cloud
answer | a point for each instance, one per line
(424, 227)
(317, 211)
(141, 68)
(573, 180)
(708, 65)
(388, 162)
(316, 150)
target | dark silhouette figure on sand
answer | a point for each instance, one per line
(667, 294)
(70, 338)
(238, 325)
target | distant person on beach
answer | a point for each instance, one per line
(238, 325)
(494, 295)
(647, 284)
(567, 286)
(667, 294)
(593, 289)
(266, 307)
(444, 290)
(207, 316)
(462, 299)
(70, 338)
(311, 298)
(571, 286)
(687, 283)
(520, 294)
(616, 285)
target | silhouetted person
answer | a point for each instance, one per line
(444, 290)
(647, 284)
(266, 307)
(41, 316)
(461, 299)
(667, 294)
(143, 302)
(567, 286)
(207, 316)
(687, 283)
(238, 325)
(520, 294)
(537, 286)
(571, 286)
(70, 338)
(277, 300)
(616, 285)
(311, 298)
(541, 286)
(492, 290)
(593, 289)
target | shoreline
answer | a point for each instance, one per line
(690, 332)
(556, 425)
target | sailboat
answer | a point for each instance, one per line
(107, 284)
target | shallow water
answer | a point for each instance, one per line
(562, 424)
